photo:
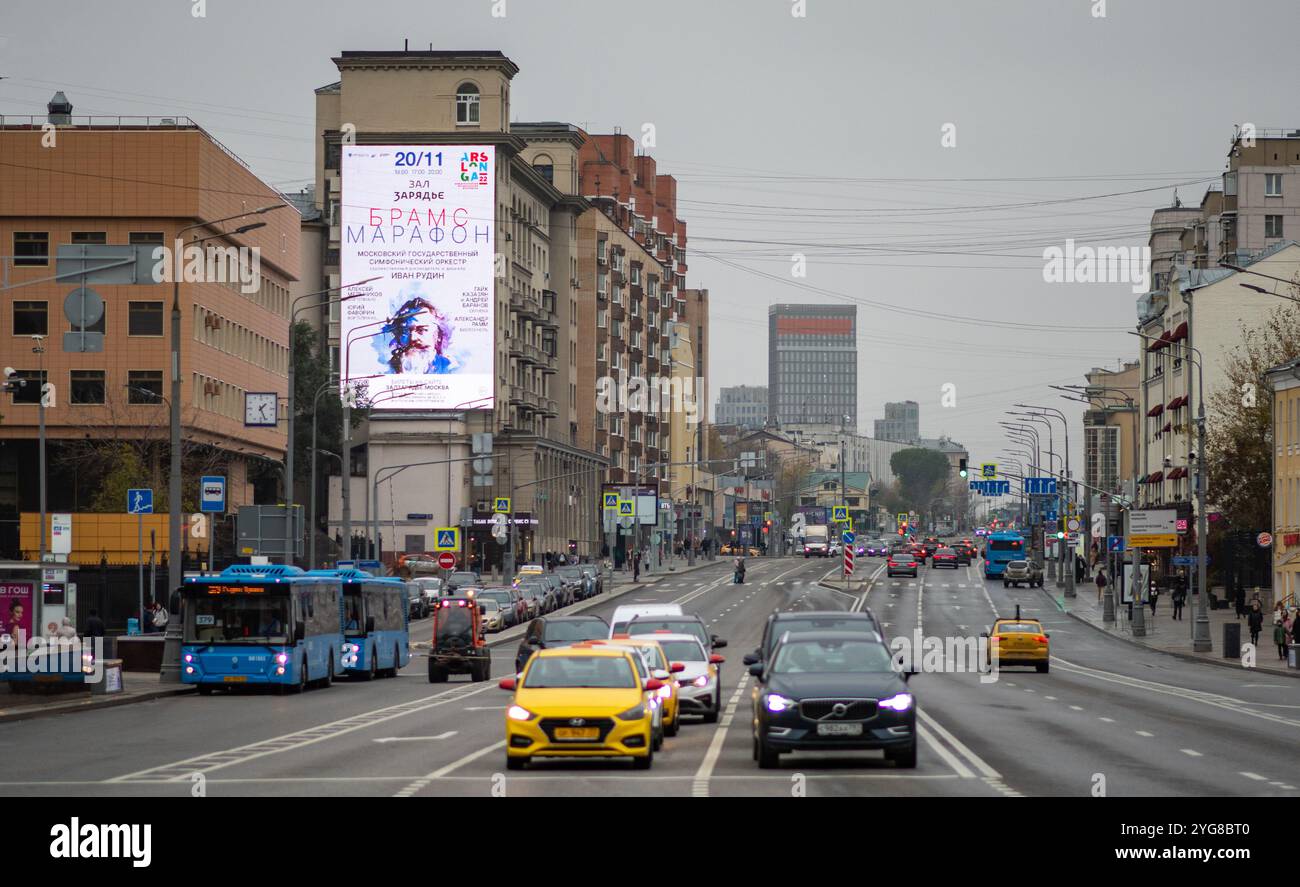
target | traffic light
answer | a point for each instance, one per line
(767, 525)
(961, 469)
(12, 385)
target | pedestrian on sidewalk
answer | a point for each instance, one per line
(1279, 638)
(1179, 597)
(94, 625)
(636, 566)
(158, 617)
(1255, 622)
(1101, 583)
(1240, 599)
(1154, 596)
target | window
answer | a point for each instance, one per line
(144, 386)
(1273, 184)
(145, 238)
(146, 319)
(31, 319)
(87, 387)
(29, 393)
(467, 104)
(31, 248)
(1272, 226)
(89, 237)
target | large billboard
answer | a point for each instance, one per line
(420, 219)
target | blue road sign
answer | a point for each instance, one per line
(1050, 514)
(1187, 560)
(212, 493)
(1040, 486)
(139, 501)
(848, 538)
(1114, 543)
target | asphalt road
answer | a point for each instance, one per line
(1144, 722)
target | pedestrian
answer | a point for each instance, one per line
(1239, 597)
(636, 566)
(1101, 583)
(1179, 598)
(1279, 638)
(159, 617)
(1255, 622)
(1155, 594)
(94, 625)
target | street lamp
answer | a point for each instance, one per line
(1069, 487)
(171, 670)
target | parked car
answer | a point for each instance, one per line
(573, 576)
(462, 579)
(511, 601)
(594, 572)
(562, 591)
(537, 595)
(418, 605)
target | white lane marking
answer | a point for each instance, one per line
(1144, 733)
(1077, 707)
(206, 763)
(486, 707)
(1255, 776)
(958, 746)
(1107, 720)
(1191, 752)
(1052, 698)
(949, 758)
(447, 735)
(443, 771)
(700, 785)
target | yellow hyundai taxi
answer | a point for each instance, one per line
(527, 571)
(584, 700)
(662, 669)
(1019, 642)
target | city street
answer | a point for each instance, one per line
(1145, 722)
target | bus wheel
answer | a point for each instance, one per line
(302, 679)
(329, 675)
(369, 673)
(397, 663)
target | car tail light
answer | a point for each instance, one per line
(1042, 639)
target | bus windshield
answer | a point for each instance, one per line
(237, 619)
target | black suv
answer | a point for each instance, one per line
(546, 632)
(783, 621)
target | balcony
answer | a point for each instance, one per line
(526, 305)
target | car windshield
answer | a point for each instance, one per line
(501, 597)
(605, 672)
(463, 578)
(831, 657)
(454, 622)
(569, 572)
(821, 623)
(1018, 565)
(683, 651)
(567, 631)
(679, 626)
(237, 619)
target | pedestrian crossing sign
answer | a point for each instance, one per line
(611, 501)
(501, 505)
(902, 519)
(839, 513)
(447, 539)
(626, 508)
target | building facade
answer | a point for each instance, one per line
(138, 182)
(742, 405)
(1285, 383)
(812, 365)
(1110, 428)
(902, 422)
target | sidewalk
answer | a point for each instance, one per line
(136, 687)
(1174, 636)
(669, 568)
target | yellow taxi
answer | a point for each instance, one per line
(661, 669)
(1019, 642)
(585, 700)
(527, 571)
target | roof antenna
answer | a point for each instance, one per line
(406, 45)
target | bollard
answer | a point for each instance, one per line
(1232, 640)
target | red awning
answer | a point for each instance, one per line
(1180, 332)
(1156, 478)
(1177, 402)
(1159, 343)
(1156, 410)
(1177, 473)
(1168, 426)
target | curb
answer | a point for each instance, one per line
(27, 713)
(1189, 657)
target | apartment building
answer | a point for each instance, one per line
(1285, 384)
(440, 98)
(1110, 427)
(138, 182)
(902, 422)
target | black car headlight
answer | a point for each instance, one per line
(635, 713)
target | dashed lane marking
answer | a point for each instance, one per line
(700, 785)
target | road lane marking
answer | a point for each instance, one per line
(978, 762)
(1255, 776)
(1144, 733)
(700, 784)
(447, 735)
(1191, 752)
(443, 771)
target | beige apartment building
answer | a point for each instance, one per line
(1285, 383)
(1110, 427)
(463, 98)
(119, 182)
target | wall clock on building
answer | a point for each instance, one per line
(261, 409)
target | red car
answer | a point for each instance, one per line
(944, 557)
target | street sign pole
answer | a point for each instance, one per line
(139, 560)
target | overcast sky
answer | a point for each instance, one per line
(818, 135)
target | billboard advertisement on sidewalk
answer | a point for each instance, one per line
(420, 219)
(16, 608)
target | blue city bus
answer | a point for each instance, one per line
(261, 625)
(376, 622)
(1000, 548)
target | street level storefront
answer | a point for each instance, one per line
(1285, 382)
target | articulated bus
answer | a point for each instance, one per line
(262, 625)
(1000, 548)
(376, 622)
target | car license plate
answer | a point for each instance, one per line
(839, 729)
(576, 732)
(235, 679)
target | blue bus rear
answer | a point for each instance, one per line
(261, 625)
(376, 622)
(1000, 548)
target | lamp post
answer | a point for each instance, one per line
(171, 671)
(1069, 488)
(311, 517)
(1060, 499)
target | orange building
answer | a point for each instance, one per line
(68, 180)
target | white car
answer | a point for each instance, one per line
(698, 692)
(643, 665)
(626, 613)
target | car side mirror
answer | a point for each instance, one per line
(677, 667)
(653, 684)
(750, 659)
(506, 683)
(756, 669)
(715, 659)
(659, 674)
